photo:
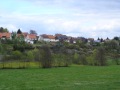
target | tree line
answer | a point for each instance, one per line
(16, 53)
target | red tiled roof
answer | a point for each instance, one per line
(44, 36)
(24, 34)
(48, 36)
(7, 35)
(18, 35)
(32, 36)
(51, 36)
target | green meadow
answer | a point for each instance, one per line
(75, 77)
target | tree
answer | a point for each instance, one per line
(17, 55)
(114, 44)
(101, 40)
(100, 58)
(98, 38)
(76, 58)
(83, 59)
(13, 35)
(58, 60)
(116, 38)
(46, 57)
(19, 31)
(107, 38)
(90, 60)
(33, 32)
(4, 55)
(30, 56)
(113, 50)
(5, 30)
(2, 30)
(19, 47)
(66, 56)
(37, 56)
(116, 57)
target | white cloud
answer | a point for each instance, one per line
(89, 18)
(10, 27)
(85, 26)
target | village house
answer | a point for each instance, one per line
(30, 38)
(61, 37)
(82, 39)
(71, 39)
(42, 37)
(5, 35)
(90, 40)
(47, 38)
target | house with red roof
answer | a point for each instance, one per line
(30, 38)
(47, 38)
(5, 35)
(24, 34)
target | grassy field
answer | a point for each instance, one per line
(64, 78)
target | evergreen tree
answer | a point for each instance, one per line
(19, 31)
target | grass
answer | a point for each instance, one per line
(14, 65)
(64, 78)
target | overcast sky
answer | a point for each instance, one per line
(87, 18)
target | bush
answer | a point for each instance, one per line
(22, 47)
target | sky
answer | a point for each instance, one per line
(78, 18)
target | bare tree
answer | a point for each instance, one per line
(100, 58)
(46, 57)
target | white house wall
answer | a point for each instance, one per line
(49, 40)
